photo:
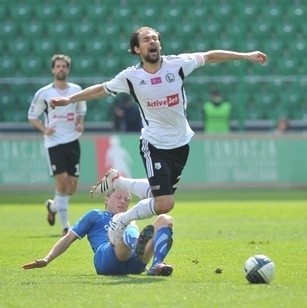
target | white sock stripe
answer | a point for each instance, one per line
(152, 206)
(162, 248)
(162, 238)
(148, 192)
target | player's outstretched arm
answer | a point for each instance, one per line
(214, 56)
(59, 247)
(89, 93)
(36, 264)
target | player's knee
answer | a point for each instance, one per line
(164, 204)
(165, 220)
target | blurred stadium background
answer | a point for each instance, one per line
(95, 33)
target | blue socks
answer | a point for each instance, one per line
(162, 243)
(131, 235)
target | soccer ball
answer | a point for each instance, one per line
(259, 269)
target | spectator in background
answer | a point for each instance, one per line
(282, 125)
(131, 118)
(126, 114)
(217, 114)
(116, 114)
(61, 131)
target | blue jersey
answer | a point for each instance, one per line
(95, 224)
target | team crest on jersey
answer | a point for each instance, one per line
(158, 166)
(170, 77)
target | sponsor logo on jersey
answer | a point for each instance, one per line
(70, 117)
(156, 80)
(169, 101)
(142, 82)
(172, 100)
(60, 116)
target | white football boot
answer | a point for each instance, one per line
(105, 185)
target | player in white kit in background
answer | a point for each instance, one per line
(156, 85)
(62, 128)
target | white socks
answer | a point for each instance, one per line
(131, 235)
(137, 187)
(142, 210)
(140, 188)
(61, 206)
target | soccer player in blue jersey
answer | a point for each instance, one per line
(157, 86)
(128, 256)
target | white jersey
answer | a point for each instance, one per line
(161, 98)
(62, 119)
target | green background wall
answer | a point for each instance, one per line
(215, 161)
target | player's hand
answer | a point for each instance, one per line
(257, 56)
(79, 128)
(36, 264)
(59, 101)
(49, 131)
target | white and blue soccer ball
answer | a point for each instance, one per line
(259, 269)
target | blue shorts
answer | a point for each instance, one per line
(106, 262)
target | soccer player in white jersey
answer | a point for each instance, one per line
(134, 250)
(61, 129)
(156, 84)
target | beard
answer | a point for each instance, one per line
(152, 59)
(60, 76)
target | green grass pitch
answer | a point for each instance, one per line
(213, 230)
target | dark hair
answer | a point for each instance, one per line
(67, 59)
(134, 39)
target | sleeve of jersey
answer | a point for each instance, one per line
(37, 107)
(81, 108)
(118, 84)
(83, 225)
(191, 61)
